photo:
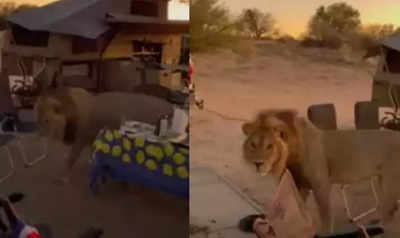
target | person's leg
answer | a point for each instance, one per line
(11, 214)
(16, 224)
(3, 226)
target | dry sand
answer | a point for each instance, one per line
(275, 76)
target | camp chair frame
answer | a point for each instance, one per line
(23, 153)
(355, 219)
(15, 135)
(6, 148)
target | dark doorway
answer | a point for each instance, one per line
(393, 61)
(144, 8)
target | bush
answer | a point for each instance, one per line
(255, 23)
(286, 39)
(211, 26)
(333, 43)
(329, 26)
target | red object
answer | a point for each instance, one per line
(33, 235)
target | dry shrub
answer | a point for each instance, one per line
(243, 48)
(287, 39)
(331, 43)
(323, 35)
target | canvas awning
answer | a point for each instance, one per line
(72, 17)
(143, 24)
(392, 42)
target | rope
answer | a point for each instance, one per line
(225, 117)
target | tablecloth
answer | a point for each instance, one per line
(157, 165)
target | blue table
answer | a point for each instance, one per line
(163, 166)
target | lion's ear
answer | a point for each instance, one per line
(248, 128)
(287, 116)
(281, 132)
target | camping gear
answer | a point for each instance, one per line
(4, 148)
(180, 121)
(14, 125)
(159, 165)
(385, 92)
(324, 117)
(287, 209)
(385, 89)
(173, 129)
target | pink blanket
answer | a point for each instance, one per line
(287, 215)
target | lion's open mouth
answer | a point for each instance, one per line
(262, 168)
(258, 165)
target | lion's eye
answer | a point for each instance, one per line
(57, 110)
(253, 145)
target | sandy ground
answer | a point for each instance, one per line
(275, 76)
(121, 211)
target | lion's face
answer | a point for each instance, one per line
(51, 119)
(264, 138)
(261, 150)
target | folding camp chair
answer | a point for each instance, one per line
(4, 139)
(14, 127)
(5, 108)
(25, 125)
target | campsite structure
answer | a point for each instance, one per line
(93, 42)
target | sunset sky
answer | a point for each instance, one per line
(292, 15)
(177, 11)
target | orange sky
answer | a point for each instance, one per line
(292, 15)
(177, 10)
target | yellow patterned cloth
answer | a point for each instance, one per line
(157, 162)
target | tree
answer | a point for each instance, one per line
(210, 24)
(255, 23)
(337, 18)
(8, 8)
(380, 32)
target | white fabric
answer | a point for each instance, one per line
(137, 129)
(180, 121)
(176, 132)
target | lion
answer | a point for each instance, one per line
(319, 158)
(74, 116)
